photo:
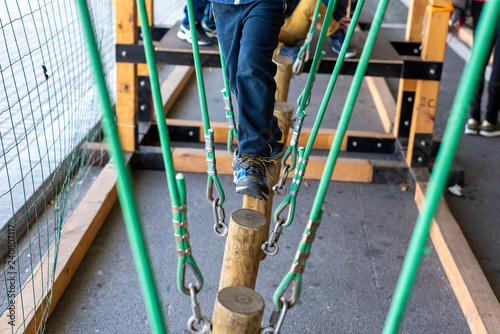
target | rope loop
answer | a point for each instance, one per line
(296, 285)
(197, 319)
(196, 274)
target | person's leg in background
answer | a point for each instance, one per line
(184, 32)
(490, 126)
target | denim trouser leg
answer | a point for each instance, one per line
(198, 9)
(248, 35)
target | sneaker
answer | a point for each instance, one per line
(185, 34)
(490, 130)
(472, 127)
(250, 177)
(250, 172)
(209, 29)
(337, 40)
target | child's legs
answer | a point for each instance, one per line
(297, 25)
(248, 36)
(198, 9)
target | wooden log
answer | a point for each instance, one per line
(246, 233)
(283, 76)
(238, 310)
(126, 76)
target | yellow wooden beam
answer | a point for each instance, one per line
(474, 294)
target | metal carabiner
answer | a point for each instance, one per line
(279, 188)
(220, 227)
(275, 323)
(197, 318)
(281, 209)
(271, 247)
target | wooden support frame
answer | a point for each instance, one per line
(126, 76)
(427, 92)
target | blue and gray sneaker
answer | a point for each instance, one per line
(250, 172)
(337, 39)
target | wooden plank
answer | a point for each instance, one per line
(172, 87)
(170, 42)
(324, 138)
(347, 169)
(474, 294)
(126, 76)
(76, 238)
(384, 101)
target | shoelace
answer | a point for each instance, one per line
(256, 166)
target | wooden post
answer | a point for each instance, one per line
(433, 48)
(126, 76)
(238, 310)
(283, 76)
(283, 112)
(247, 231)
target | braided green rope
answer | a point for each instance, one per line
(465, 93)
(175, 193)
(294, 187)
(211, 164)
(125, 189)
(228, 107)
(316, 211)
(303, 100)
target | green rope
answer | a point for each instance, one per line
(228, 107)
(211, 164)
(444, 160)
(316, 211)
(300, 170)
(124, 185)
(304, 97)
(176, 194)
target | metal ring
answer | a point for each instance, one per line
(205, 325)
(267, 248)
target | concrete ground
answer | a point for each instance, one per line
(355, 261)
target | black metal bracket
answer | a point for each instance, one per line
(157, 33)
(407, 48)
(133, 53)
(416, 68)
(423, 147)
(144, 99)
(371, 145)
(406, 113)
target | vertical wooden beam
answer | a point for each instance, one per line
(126, 76)
(242, 255)
(237, 310)
(142, 69)
(427, 92)
(407, 87)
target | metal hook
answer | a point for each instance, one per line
(197, 318)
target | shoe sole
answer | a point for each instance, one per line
(187, 37)
(489, 134)
(471, 132)
(248, 191)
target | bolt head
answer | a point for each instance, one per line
(124, 54)
(406, 123)
(379, 145)
(354, 143)
(410, 99)
(142, 83)
(143, 107)
(422, 143)
(420, 159)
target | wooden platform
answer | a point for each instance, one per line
(385, 60)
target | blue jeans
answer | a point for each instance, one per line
(248, 35)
